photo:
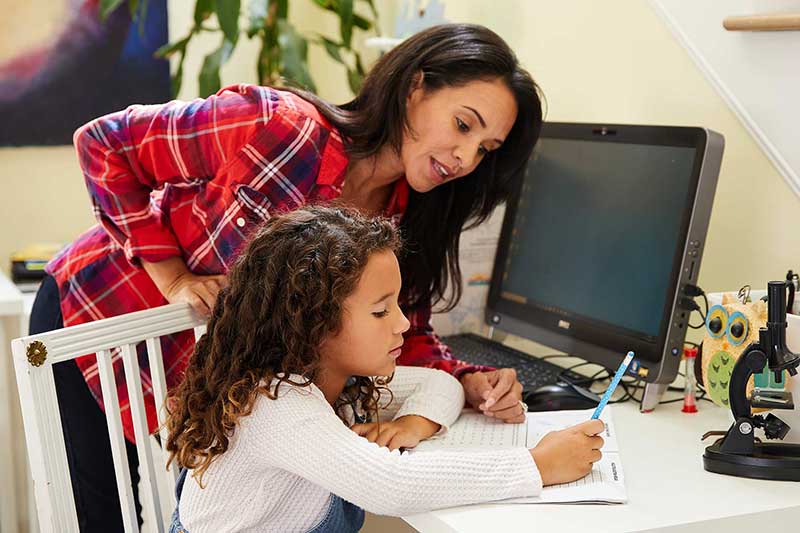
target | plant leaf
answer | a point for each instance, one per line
(294, 52)
(346, 16)
(333, 7)
(361, 23)
(177, 78)
(209, 74)
(354, 80)
(264, 64)
(202, 10)
(283, 9)
(142, 14)
(256, 16)
(332, 48)
(372, 8)
(107, 6)
(228, 16)
(359, 65)
(168, 49)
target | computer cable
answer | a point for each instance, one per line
(687, 302)
(629, 385)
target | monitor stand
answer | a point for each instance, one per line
(653, 392)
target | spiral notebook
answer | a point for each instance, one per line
(604, 484)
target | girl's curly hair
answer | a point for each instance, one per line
(285, 295)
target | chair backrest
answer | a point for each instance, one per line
(34, 357)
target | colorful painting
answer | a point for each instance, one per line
(78, 69)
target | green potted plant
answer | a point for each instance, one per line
(283, 54)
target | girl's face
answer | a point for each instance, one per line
(452, 129)
(371, 334)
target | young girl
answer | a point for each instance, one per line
(279, 420)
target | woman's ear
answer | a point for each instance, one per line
(417, 87)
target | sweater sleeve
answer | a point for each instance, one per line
(300, 433)
(433, 394)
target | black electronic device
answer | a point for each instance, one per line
(560, 396)
(601, 238)
(739, 452)
(532, 373)
(546, 386)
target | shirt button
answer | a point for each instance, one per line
(240, 222)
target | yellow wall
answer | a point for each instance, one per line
(607, 62)
(617, 62)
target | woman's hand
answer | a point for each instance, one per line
(405, 432)
(567, 455)
(497, 394)
(178, 284)
(198, 291)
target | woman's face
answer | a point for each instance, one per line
(452, 130)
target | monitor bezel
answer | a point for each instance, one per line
(584, 332)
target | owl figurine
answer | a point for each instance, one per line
(729, 329)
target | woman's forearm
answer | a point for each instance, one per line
(165, 274)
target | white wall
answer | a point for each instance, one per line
(757, 73)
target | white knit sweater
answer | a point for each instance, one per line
(290, 454)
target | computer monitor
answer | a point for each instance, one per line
(600, 240)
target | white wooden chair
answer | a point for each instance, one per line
(34, 357)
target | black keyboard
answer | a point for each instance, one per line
(532, 373)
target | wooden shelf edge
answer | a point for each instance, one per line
(773, 22)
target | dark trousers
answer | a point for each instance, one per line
(91, 466)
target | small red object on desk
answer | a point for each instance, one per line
(689, 402)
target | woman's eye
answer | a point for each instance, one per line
(380, 314)
(482, 151)
(462, 125)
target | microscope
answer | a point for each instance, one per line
(740, 452)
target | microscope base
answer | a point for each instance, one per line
(778, 461)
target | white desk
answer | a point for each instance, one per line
(13, 464)
(668, 489)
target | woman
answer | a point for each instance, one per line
(436, 138)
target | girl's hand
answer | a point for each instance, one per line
(405, 432)
(567, 455)
(496, 394)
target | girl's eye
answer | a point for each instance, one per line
(462, 125)
(482, 151)
(380, 314)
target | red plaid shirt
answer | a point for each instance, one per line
(191, 179)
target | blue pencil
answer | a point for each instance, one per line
(613, 385)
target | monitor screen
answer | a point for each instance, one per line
(597, 229)
(601, 237)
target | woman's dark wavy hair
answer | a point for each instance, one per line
(285, 296)
(450, 55)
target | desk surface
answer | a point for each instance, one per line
(662, 458)
(667, 487)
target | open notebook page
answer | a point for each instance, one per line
(605, 484)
